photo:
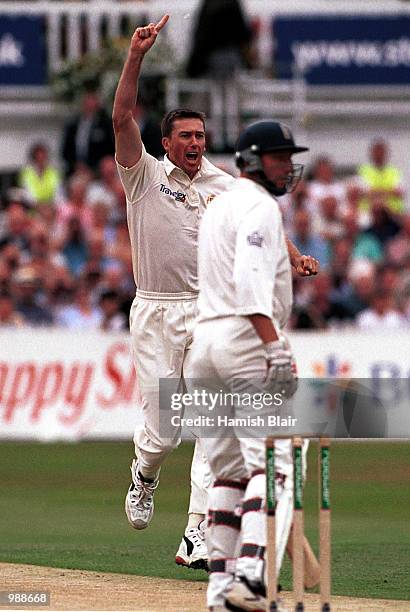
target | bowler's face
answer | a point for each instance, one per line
(186, 145)
(278, 167)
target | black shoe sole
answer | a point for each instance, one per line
(201, 564)
(233, 608)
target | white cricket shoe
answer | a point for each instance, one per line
(139, 502)
(243, 596)
(192, 551)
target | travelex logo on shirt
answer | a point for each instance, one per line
(255, 239)
(179, 196)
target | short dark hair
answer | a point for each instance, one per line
(179, 113)
(109, 294)
(37, 146)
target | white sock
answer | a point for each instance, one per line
(149, 475)
(193, 520)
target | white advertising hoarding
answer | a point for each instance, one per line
(59, 385)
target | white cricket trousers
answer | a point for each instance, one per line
(161, 326)
(225, 350)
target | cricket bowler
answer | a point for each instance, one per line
(165, 202)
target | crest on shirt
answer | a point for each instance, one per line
(210, 198)
(255, 239)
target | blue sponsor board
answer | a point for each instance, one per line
(337, 50)
(22, 51)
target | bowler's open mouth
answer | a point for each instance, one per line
(192, 155)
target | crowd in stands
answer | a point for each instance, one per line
(359, 230)
(65, 256)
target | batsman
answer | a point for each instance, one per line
(245, 301)
(165, 203)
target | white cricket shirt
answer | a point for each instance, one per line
(243, 261)
(164, 208)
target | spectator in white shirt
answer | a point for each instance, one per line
(81, 315)
(382, 314)
(323, 185)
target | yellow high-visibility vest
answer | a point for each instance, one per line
(42, 188)
(384, 179)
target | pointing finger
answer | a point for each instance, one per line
(161, 23)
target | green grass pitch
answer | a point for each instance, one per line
(61, 505)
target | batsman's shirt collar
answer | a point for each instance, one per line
(257, 187)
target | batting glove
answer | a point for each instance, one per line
(281, 373)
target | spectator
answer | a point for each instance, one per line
(102, 223)
(42, 256)
(323, 184)
(17, 227)
(81, 315)
(341, 256)
(320, 311)
(113, 319)
(39, 178)
(392, 280)
(97, 258)
(8, 315)
(92, 278)
(74, 246)
(221, 46)
(405, 292)
(360, 253)
(47, 214)
(88, 137)
(28, 299)
(107, 187)
(10, 254)
(290, 203)
(76, 204)
(380, 177)
(383, 225)
(116, 278)
(354, 195)
(382, 314)
(5, 273)
(221, 40)
(306, 242)
(121, 247)
(59, 287)
(150, 129)
(360, 290)
(389, 279)
(398, 249)
(328, 224)
(364, 245)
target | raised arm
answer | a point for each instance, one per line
(128, 145)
